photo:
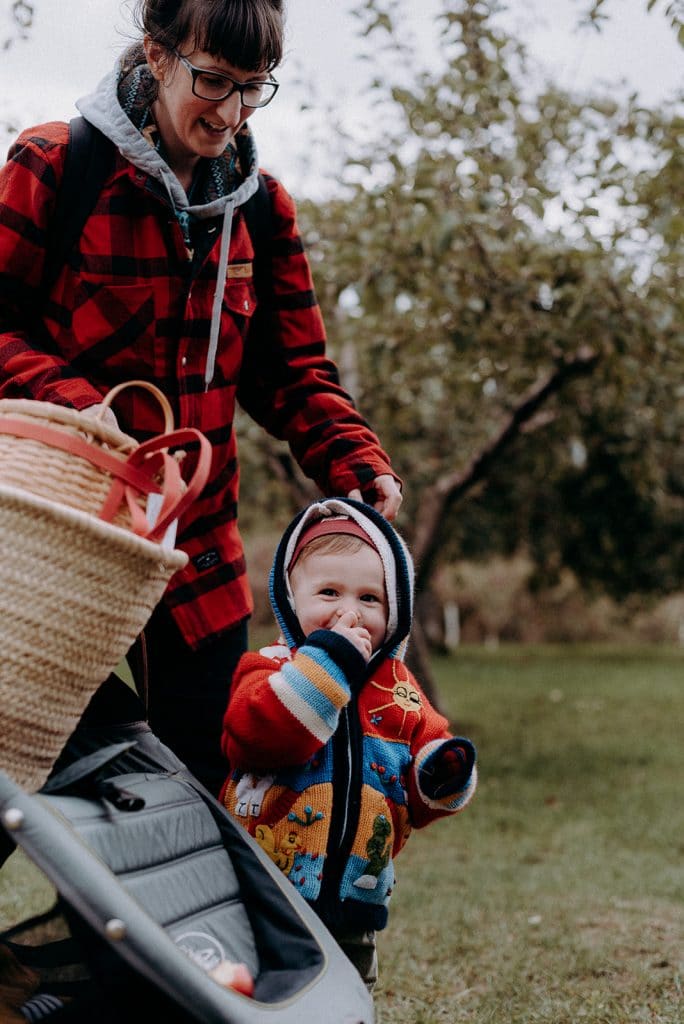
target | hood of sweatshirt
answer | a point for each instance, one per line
(119, 107)
(394, 555)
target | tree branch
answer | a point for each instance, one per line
(451, 487)
(438, 499)
(299, 489)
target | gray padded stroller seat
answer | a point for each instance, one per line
(158, 884)
(169, 855)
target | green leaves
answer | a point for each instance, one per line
(485, 233)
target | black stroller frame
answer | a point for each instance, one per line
(158, 883)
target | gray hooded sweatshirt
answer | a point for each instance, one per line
(119, 107)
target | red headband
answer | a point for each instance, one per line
(327, 525)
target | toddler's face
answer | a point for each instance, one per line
(325, 586)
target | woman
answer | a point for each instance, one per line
(161, 286)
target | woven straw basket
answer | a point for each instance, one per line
(35, 465)
(76, 590)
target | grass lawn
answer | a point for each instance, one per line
(557, 897)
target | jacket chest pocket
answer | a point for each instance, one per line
(239, 300)
(113, 324)
(237, 312)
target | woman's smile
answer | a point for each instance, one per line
(212, 129)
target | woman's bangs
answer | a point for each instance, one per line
(247, 35)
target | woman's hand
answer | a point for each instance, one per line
(387, 493)
(101, 412)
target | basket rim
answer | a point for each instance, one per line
(62, 415)
(127, 541)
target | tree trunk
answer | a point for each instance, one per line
(451, 487)
(447, 490)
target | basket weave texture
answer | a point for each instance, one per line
(74, 594)
(50, 472)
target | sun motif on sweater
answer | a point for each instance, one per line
(404, 695)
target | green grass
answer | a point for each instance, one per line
(557, 896)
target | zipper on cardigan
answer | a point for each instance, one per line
(346, 812)
(348, 766)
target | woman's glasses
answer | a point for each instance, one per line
(215, 86)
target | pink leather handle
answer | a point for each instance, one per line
(177, 494)
(74, 445)
(137, 474)
(146, 385)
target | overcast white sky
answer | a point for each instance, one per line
(74, 42)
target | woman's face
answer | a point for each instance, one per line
(191, 127)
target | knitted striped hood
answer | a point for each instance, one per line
(396, 561)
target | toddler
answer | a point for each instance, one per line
(335, 752)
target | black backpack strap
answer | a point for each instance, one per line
(88, 160)
(259, 220)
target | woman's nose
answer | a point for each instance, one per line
(230, 109)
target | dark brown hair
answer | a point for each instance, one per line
(246, 33)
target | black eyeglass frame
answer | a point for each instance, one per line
(236, 86)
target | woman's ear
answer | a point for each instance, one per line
(156, 56)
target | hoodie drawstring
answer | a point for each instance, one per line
(218, 294)
(120, 108)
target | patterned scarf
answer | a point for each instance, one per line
(214, 178)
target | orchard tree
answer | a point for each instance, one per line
(501, 278)
(487, 241)
(601, 11)
(19, 16)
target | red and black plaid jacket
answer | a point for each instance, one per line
(133, 301)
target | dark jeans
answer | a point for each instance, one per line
(185, 693)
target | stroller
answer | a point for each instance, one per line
(157, 885)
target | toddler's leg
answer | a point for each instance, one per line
(360, 948)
